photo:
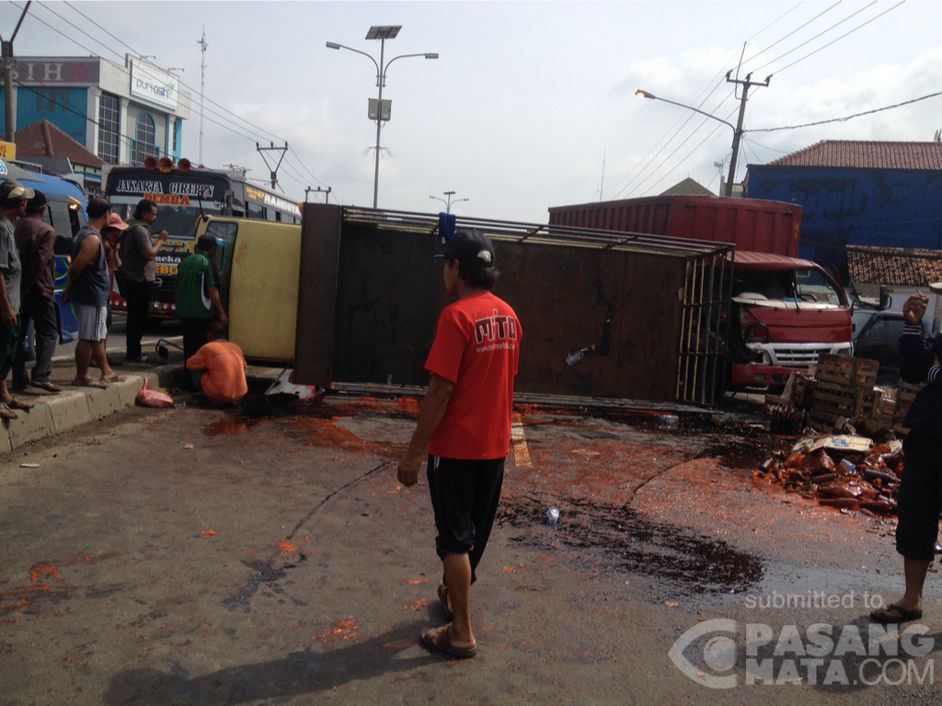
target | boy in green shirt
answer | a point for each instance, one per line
(197, 296)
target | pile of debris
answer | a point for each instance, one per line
(849, 472)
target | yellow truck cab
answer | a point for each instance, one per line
(258, 264)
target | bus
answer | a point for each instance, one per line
(65, 211)
(183, 193)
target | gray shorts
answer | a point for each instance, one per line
(92, 321)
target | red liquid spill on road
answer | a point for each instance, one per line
(228, 426)
(287, 547)
(342, 630)
(38, 571)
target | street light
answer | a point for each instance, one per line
(449, 202)
(737, 133)
(382, 33)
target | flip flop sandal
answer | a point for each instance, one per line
(6, 412)
(47, 386)
(114, 378)
(16, 403)
(894, 614)
(90, 383)
(443, 597)
(439, 641)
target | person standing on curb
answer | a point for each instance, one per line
(920, 491)
(87, 290)
(36, 241)
(13, 198)
(197, 297)
(137, 273)
(465, 424)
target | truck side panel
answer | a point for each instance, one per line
(751, 224)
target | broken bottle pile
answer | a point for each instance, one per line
(847, 472)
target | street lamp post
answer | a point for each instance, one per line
(450, 200)
(382, 33)
(737, 133)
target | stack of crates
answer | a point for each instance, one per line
(844, 389)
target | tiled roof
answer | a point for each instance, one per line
(45, 139)
(866, 155)
(688, 187)
(893, 266)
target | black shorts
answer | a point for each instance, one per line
(920, 498)
(464, 497)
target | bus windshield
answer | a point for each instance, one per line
(177, 220)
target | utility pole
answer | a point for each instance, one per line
(203, 46)
(737, 131)
(272, 170)
(8, 64)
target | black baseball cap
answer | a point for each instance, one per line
(472, 249)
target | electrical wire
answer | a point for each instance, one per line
(860, 26)
(233, 127)
(847, 117)
(819, 34)
(794, 31)
(674, 130)
(686, 157)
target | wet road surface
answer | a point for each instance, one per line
(196, 556)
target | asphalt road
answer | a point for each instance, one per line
(196, 556)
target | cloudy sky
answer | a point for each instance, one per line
(531, 104)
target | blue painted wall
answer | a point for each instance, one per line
(887, 207)
(66, 108)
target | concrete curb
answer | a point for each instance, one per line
(74, 407)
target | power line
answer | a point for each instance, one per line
(678, 125)
(236, 126)
(797, 29)
(811, 39)
(847, 117)
(683, 160)
(117, 39)
(860, 26)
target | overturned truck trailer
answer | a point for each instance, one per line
(605, 315)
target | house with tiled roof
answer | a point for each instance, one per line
(45, 145)
(853, 192)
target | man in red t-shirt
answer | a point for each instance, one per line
(465, 423)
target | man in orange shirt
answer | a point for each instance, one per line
(465, 423)
(220, 368)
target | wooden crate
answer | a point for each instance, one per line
(835, 369)
(865, 372)
(865, 403)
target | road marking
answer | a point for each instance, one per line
(521, 452)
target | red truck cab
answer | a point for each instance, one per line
(790, 311)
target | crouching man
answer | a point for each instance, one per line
(465, 424)
(218, 368)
